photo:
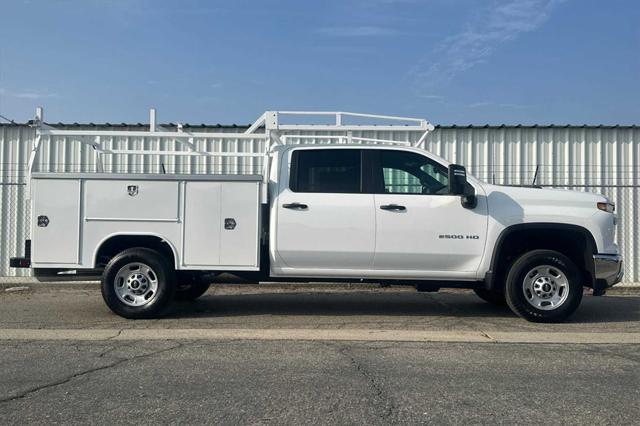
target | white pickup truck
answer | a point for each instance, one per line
(349, 209)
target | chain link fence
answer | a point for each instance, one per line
(627, 201)
(621, 184)
(15, 209)
(15, 225)
(601, 159)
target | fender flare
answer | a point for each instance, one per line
(134, 234)
(589, 250)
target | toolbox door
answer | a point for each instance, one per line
(55, 219)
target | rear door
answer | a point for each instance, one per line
(421, 230)
(325, 221)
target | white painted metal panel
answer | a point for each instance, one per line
(241, 204)
(148, 200)
(56, 242)
(96, 232)
(413, 239)
(202, 219)
(209, 206)
(335, 229)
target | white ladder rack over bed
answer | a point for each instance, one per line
(269, 128)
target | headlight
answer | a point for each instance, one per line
(607, 207)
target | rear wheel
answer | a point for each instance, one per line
(495, 297)
(543, 286)
(138, 283)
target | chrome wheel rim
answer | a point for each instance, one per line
(546, 287)
(136, 284)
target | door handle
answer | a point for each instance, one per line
(295, 206)
(393, 207)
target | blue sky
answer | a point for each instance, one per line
(450, 61)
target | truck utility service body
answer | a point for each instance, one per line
(351, 208)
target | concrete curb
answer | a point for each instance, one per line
(320, 335)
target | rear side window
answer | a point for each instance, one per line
(326, 170)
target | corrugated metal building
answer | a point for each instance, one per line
(604, 159)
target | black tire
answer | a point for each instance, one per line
(493, 297)
(192, 285)
(556, 275)
(158, 278)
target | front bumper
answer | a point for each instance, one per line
(608, 269)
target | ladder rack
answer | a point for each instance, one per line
(271, 129)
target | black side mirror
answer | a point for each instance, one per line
(457, 179)
(458, 185)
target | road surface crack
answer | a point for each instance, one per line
(115, 336)
(68, 379)
(380, 394)
(487, 335)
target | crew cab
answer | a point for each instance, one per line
(353, 209)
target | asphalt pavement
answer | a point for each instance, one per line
(315, 355)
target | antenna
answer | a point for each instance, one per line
(535, 175)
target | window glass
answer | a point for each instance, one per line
(411, 173)
(327, 170)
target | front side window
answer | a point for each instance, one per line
(326, 170)
(406, 172)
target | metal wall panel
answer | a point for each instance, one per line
(15, 142)
(597, 159)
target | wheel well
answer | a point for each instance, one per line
(575, 242)
(114, 245)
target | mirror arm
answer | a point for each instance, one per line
(469, 201)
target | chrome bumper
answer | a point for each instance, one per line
(608, 269)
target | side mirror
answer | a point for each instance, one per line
(458, 185)
(457, 179)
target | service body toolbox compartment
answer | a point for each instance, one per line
(210, 222)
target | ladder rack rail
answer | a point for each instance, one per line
(272, 132)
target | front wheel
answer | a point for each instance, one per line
(543, 286)
(138, 283)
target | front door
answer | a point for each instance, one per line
(324, 220)
(421, 230)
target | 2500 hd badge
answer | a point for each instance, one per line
(458, 237)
